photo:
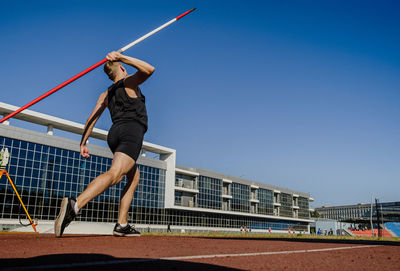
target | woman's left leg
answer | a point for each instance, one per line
(133, 177)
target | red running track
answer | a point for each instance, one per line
(94, 252)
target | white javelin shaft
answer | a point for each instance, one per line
(123, 49)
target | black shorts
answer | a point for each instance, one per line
(126, 137)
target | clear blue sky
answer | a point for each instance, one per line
(299, 94)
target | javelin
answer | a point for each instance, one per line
(123, 49)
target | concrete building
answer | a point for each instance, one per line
(46, 168)
(361, 212)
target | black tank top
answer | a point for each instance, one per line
(124, 108)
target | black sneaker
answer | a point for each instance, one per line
(66, 215)
(128, 230)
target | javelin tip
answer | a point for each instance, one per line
(187, 12)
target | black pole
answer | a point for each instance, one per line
(378, 218)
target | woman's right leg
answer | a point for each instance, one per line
(121, 165)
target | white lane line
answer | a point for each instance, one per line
(85, 264)
(263, 253)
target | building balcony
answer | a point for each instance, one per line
(226, 206)
(225, 191)
(226, 196)
(184, 189)
(189, 185)
(254, 200)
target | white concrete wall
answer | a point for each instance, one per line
(170, 158)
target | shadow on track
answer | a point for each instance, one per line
(312, 240)
(102, 262)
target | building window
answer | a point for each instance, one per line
(266, 198)
(286, 205)
(240, 198)
(210, 193)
